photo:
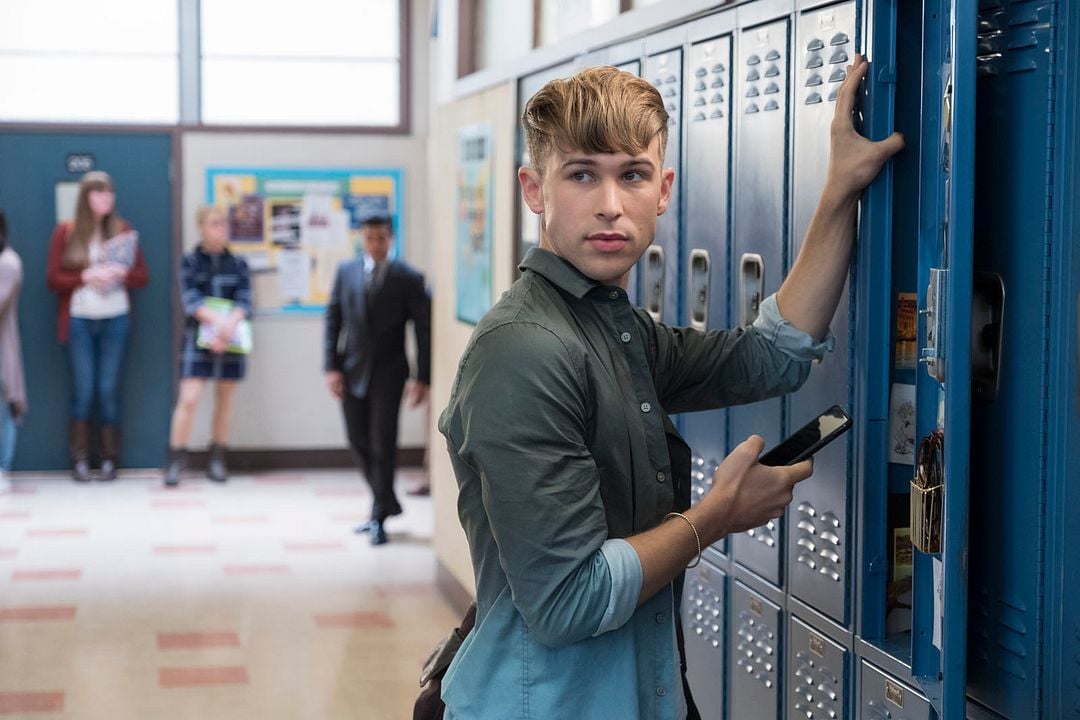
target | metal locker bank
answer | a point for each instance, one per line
(929, 569)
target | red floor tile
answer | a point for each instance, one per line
(185, 549)
(31, 614)
(57, 532)
(8, 553)
(202, 676)
(51, 574)
(315, 546)
(24, 490)
(14, 515)
(238, 570)
(351, 517)
(39, 702)
(197, 640)
(355, 620)
(182, 488)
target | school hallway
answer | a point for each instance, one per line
(252, 599)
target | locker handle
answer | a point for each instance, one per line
(751, 287)
(654, 282)
(699, 289)
(987, 332)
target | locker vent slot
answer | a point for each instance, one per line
(706, 614)
(756, 652)
(818, 543)
(817, 688)
(701, 477)
(766, 534)
(999, 634)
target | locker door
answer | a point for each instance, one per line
(885, 698)
(761, 91)
(943, 392)
(1013, 258)
(706, 253)
(658, 277)
(817, 674)
(755, 656)
(704, 621)
(819, 539)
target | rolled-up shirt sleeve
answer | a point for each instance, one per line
(521, 426)
(624, 567)
(786, 337)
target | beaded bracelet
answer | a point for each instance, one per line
(697, 537)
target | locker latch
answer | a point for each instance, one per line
(987, 331)
(699, 289)
(654, 282)
(751, 287)
(933, 353)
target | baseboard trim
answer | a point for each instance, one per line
(453, 591)
(262, 460)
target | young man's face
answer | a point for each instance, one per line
(599, 211)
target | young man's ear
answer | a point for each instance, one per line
(532, 190)
(665, 190)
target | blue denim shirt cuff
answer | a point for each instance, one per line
(788, 338)
(626, 578)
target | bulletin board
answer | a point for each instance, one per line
(295, 226)
(474, 222)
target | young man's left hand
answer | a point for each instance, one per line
(855, 161)
(418, 393)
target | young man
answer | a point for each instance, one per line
(373, 299)
(574, 485)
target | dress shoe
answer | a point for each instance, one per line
(175, 469)
(378, 533)
(365, 527)
(419, 491)
(108, 471)
(81, 472)
(215, 468)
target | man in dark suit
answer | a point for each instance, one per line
(373, 299)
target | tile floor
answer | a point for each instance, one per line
(252, 599)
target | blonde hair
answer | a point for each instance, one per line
(77, 247)
(598, 110)
(205, 211)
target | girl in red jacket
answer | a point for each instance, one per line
(93, 263)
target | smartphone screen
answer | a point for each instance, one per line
(806, 441)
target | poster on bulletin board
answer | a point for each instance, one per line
(474, 227)
(295, 226)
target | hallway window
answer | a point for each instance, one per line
(320, 62)
(107, 61)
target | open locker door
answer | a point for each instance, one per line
(940, 488)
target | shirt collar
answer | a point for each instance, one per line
(559, 272)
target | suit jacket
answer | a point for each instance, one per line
(365, 335)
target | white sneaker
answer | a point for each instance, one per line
(5, 484)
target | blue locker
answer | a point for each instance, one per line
(817, 674)
(658, 277)
(885, 698)
(819, 538)
(704, 628)
(759, 177)
(755, 646)
(1014, 250)
(706, 252)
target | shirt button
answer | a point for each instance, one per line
(661, 691)
(614, 294)
(659, 618)
(645, 407)
(660, 477)
(625, 337)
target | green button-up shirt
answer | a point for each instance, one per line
(560, 439)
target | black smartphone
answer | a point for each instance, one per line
(806, 441)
